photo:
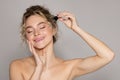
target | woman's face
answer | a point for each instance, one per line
(38, 31)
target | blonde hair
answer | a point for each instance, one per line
(42, 11)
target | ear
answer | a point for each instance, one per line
(54, 31)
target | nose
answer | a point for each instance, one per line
(37, 32)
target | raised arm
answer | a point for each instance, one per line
(103, 53)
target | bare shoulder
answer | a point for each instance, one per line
(16, 63)
(20, 63)
(16, 68)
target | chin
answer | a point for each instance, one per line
(42, 45)
(39, 47)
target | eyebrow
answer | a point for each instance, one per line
(32, 27)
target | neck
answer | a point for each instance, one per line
(47, 55)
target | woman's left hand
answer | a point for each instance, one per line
(68, 19)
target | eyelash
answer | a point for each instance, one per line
(29, 31)
(42, 27)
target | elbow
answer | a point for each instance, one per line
(111, 56)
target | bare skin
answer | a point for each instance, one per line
(44, 65)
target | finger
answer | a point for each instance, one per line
(31, 47)
(64, 19)
(61, 14)
(45, 56)
(29, 44)
(37, 58)
(66, 16)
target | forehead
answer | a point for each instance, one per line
(34, 19)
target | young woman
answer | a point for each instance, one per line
(39, 30)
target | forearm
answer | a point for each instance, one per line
(36, 74)
(98, 46)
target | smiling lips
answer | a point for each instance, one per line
(38, 39)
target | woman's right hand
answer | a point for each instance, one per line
(36, 56)
(39, 64)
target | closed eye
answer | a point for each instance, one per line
(29, 31)
(42, 26)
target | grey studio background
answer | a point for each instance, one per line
(99, 17)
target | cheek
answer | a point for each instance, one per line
(29, 38)
(48, 33)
